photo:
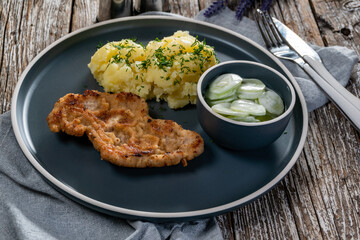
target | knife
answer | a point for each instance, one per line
(314, 60)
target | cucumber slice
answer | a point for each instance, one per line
(248, 107)
(224, 109)
(224, 100)
(251, 85)
(224, 86)
(213, 96)
(249, 95)
(244, 119)
(272, 102)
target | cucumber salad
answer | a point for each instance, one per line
(246, 100)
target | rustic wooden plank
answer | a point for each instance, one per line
(30, 27)
(226, 226)
(43, 23)
(104, 12)
(339, 203)
(300, 202)
(339, 24)
(336, 155)
(254, 221)
(267, 218)
(204, 3)
(313, 217)
(4, 19)
(331, 155)
(186, 8)
(298, 15)
(85, 13)
(8, 14)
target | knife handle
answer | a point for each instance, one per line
(321, 70)
(341, 102)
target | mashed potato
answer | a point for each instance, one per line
(166, 69)
(118, 67)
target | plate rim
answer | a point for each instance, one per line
(147, 214)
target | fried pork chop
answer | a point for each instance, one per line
(120, 128)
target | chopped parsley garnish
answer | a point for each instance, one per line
(118, 58)
(162, 59)
(141, 87)
(100, 44)
(145, 64)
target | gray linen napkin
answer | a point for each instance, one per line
(31, 209)
(339, 61)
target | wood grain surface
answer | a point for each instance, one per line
(320, 197)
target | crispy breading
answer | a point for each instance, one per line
(121, 129)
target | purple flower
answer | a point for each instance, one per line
(241, 8)
(215, 7)
(266, 4)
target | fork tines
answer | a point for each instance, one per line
(268, 30)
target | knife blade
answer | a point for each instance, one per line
(313, 59)
(296, 43)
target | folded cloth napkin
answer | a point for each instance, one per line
(32, 209)
(339, 61)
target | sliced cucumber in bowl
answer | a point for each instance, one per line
(272, 102)
(224, 100)
(248, 107)
(223, 86)
(224, 109)
(246, 100)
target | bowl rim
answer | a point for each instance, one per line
(278, 118)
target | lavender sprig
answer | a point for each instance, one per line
(242, 7)
(215, 7)
(266, 4)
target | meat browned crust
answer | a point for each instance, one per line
(120, 128)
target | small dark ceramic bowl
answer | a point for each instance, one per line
(243, 135)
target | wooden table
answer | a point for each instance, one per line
(320, 197)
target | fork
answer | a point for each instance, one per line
(277, 45)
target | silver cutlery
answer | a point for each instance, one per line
(308, 60)
(313, 59)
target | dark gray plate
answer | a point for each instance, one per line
(217, 181)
